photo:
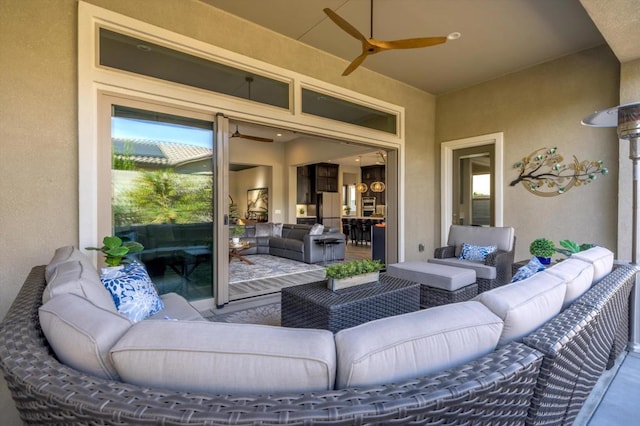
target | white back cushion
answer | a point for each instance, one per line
(415, 344)
(81, 333)
(525, 305)
(61, 255)
(222, 357)
(77, 277)
(601, 259)
(577, 274)
(501, 236)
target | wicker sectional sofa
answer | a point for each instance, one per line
(541, 377)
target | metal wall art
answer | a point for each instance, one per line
(542, 172)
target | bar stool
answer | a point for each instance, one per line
(353, 231)
(346, 229)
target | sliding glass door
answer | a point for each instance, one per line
(167, 174)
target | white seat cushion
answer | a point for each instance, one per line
(600, 257)
(482, 271)
(177, 307)
(77, 277)
(224, 358)
(433, 275)
(415, 344)
(525, 305)
(577, 274)
(81, 333)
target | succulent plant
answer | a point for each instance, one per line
(115, 250)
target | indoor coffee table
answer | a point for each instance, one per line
(315, 306)
(236, 250)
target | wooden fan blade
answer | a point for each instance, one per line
(237, 134)
(409, 43)
(342, 23)
(256, 138)
(355, 63)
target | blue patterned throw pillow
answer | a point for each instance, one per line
(534, 266)
(133, 292)
(476, 253)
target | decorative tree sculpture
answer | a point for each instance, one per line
(542, 172)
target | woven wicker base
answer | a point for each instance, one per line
(315, 306)
(431, 296)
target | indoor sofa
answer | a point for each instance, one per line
(524, 353)
(304, 243)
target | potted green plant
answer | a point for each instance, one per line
(115, 250)
(236, 232)
(570, 247)
(543, 249)
(355, 272)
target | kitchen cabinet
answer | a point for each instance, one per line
(306, 190)
(326, 177)
(372, 174)
(314, 178)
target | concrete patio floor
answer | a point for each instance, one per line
(615, 400)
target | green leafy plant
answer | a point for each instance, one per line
(542, 247)
(115, 250)
(237, 231)
(571, 247)
(352, 268)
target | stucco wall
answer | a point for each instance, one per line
(38, 113)
(39, 133)
(542, 107)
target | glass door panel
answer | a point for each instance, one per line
(162, 192)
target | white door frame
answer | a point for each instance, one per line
(446, 177)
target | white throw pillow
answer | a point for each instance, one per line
(81, 333)
(316, 229)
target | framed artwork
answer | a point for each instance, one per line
(258, 204)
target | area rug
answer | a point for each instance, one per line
(265, 315)
(268, 275)
(265, 265)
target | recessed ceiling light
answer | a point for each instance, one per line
(278, 134)
(454, 35)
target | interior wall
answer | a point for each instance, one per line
(542, 107)
(257, 177)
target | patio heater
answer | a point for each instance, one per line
(627, 119)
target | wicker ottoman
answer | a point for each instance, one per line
(315, 306)
(439, 284)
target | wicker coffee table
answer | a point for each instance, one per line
(315, 306)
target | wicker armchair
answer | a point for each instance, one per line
(496, 270)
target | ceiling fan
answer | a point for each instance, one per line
(237, 134)
(372, 46)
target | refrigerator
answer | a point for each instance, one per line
(328, 208)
